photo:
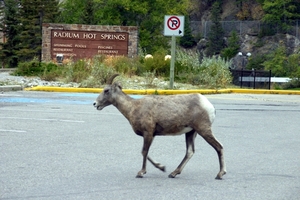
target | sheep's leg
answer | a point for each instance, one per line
(147, 143)
(156, 164)
(210, 138)
(190, 149)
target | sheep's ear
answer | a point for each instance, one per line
(117, 85)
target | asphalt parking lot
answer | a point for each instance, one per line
(58, 146)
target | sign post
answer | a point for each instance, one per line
(172, 64)
(174, 26)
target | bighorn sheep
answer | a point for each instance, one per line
(158, 115)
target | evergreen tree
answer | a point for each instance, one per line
(281, 12)
(215, 39)
(277, 62)
(10, 27)
(30, 35)
(89, 12)
(32, 15)
(233, 46)
(187, 40)
(50, 11)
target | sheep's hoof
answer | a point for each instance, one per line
(162, 168)
(220, 174)
(174, 173)
(140, 174)
(171, 176)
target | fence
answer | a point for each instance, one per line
(247, 27)
(251, 78)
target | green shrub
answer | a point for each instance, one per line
(188, 58)
(293, 66)
(211, 72)
(127, 66)
(149, 78)
(282, 64)
(51, 71)
(157, 64)
(32, 68)
(256, 62)
(214, 72)
(77, 71)
(187, 64)
(294, 83)
(99, 74)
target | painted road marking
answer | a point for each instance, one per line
(15, 131)
(59, 101)
(38, 119)
(42, 100)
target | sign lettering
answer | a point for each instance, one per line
(86, 44)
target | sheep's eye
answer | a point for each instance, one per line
(106, 91)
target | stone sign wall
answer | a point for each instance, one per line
(78, 41)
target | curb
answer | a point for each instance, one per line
(165, 92)
(7, 88)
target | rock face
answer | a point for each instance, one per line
(267, 44)
(239, 61)
(255, 46)
(244, 17)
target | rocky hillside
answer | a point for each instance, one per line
(231, 10)
(246, 19)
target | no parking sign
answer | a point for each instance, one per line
(174, 25)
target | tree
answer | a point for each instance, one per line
(50, 11)
(32, 15)
(80, 12)
(280, 11)
(89, 12)
(187, 40)
(9, 25)
(294, 67)
(215, 39)
(277, 61)
(148, 15)
(233, 46)
(283, 65)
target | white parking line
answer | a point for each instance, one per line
(36, 119)
(15, 131)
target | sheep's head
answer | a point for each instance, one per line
(108, 95)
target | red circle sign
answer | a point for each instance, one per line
(173, 23)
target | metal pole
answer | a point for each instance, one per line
(270, 79)
(254, 78)
(173, 45)
(241, 78)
